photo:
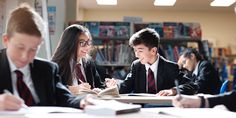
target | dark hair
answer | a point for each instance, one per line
(147, 36)
(66, 51)
(188, 51)
(25, 20)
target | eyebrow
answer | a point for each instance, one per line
(84, 40)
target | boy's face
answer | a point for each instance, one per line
(189, 63)
(21, 48)
(144, 54)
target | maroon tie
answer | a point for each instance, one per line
(23, 90)
(79, 75)
(151, 82)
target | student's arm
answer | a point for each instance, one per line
(228, 99)
(127, 85)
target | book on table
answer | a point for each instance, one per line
(110, 107)
(111, 91)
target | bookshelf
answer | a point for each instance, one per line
(113, 54)
(173, 47)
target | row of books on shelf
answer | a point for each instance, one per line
(219, 52)
(167, 30)
(115, 53)
(107, 29)
(172, 53)
(171, 30)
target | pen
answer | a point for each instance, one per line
(23, 105)
(177, 89)
(81, 81)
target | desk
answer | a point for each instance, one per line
(158, 100)
(144, 113)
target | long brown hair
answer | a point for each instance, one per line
(65, 54)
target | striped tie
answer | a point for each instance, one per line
(151, 82)
(23, 90)
(79, 75)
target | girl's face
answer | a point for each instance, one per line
(84, 45)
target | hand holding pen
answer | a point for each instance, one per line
(11, 102)
(178, 90)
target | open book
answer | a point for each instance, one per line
(110, 107)
(111, 91)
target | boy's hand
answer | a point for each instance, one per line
(168, 92)
(110, 82)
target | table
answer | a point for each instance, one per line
(142, 99)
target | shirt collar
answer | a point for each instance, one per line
(24, 70)
(153, 66)
(80, 62)
(195, 72)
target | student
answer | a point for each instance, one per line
(150, 73)
(9, 102)
(34, 80)
(227, 99)
(204, 76)
(77, 69)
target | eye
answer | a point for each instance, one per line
(20, 47)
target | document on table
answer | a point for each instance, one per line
(30, 110)
(142, 94)
(193, 112)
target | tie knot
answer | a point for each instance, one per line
(149, 70)
(19, 74)
(78, 65)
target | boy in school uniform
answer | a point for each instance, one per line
(203, 75)
(35, 81)
(150, 73)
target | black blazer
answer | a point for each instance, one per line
(92, 75)
(136, 80)
(46, 80)
(207, 79)
(228, 99)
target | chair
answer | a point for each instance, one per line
(224, 86)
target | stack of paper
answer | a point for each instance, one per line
(110, 107)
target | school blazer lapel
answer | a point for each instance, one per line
(38, 81)
(88, 72)
(5, 73)
(142, 78)
(160, 72)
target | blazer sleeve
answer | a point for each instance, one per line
(228, 99)
(97, 78)
(128, 84)
(187, 86)
(63, 96)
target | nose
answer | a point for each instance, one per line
(24, 56)
(136, 54)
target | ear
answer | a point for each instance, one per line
(154, 50)
(5, 40)
(193, 56)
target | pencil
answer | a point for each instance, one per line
(81, 81)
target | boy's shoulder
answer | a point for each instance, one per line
(43, 62)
